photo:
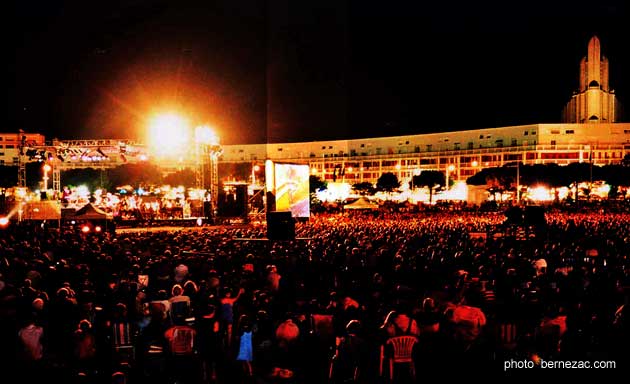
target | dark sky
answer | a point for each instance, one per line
(283, 70)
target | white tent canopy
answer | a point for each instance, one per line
(361, 203)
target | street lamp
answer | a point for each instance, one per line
(255, 169)
(449, 169)
(47, 169)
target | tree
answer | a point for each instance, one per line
(90, 177)
(185, 177)
(364, 188)
(135, 174)
(388, 182)
(315, 183)
(497, 179)
(429, 179)
(574, 174)
(616, 176)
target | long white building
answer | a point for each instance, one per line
(463, 152)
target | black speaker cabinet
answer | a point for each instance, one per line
(535, 215)
(232, 201)
(514, 216)
(280, 225)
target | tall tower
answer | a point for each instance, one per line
(594, 101)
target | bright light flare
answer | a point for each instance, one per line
(97, 229)
(334, 192)
(168, 134)
(4, 221)
(85, 229)
(540, 193)
(458, 192)
(206, 135)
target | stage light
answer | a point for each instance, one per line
(4, 221)
(97, 229)
(199, 221)
(85, 229)
(168, 134)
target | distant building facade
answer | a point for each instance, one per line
(365, 160)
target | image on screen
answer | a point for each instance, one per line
(292, 189)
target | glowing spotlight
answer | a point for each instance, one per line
(4, 221)
(199, 221)
(97, 229)
(168, 134)
(85, 229)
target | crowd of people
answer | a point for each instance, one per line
(224, 305)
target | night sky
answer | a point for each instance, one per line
(283, 70)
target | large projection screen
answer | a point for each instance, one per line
(289, 185)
